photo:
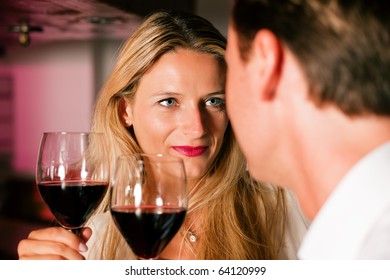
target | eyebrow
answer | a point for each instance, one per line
(165, 93)
(217, 92)
(220, 92)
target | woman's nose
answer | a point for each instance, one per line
(195, 122)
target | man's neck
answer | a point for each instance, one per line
(330, 150)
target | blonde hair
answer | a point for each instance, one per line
(242, 219)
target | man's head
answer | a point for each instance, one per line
(342, 46)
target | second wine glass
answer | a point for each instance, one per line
(149, 201)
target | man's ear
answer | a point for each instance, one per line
(125, 112)
(268, 54)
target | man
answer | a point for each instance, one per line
(308, 95)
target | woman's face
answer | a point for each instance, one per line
(179, 109)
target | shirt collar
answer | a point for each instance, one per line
(341, 225)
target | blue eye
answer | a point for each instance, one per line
(216, 102)
(168, 102)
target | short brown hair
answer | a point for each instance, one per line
(343, 46)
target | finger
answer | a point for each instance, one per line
(38, 249)
(59, 235)
(41, 257)
(86, 233)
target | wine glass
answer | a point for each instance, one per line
(149, 201)
(72, 175)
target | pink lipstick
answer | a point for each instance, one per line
(190, 151)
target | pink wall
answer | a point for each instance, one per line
(53, 91)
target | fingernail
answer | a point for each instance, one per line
(83, 247)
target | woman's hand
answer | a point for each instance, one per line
(54, 243)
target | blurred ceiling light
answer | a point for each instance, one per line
(24, 29)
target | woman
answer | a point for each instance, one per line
(166, 95)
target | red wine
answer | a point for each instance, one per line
(148, 229)
(73, 202)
